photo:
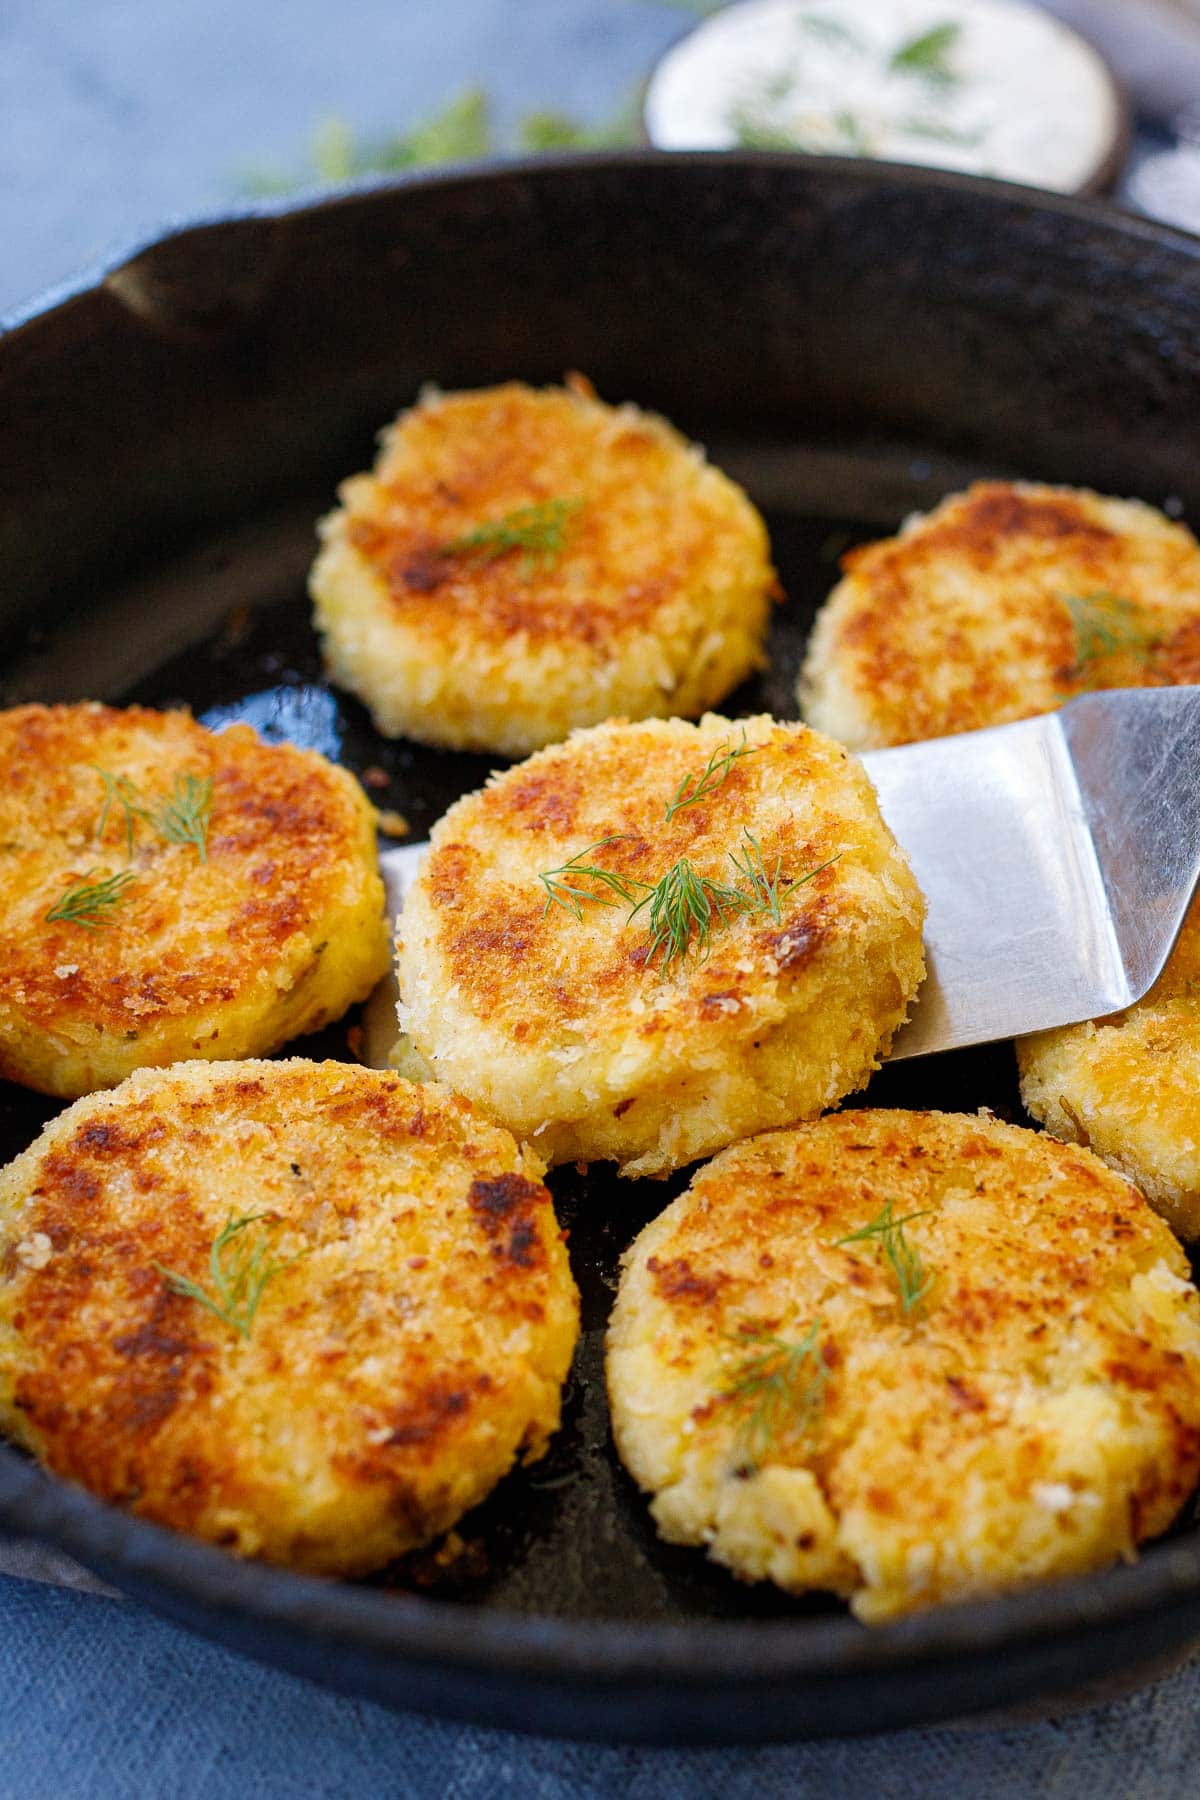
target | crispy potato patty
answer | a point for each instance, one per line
(1129, 1085)
(999, 604)
(1036, 1413)
(550, 1002)
(634, 577)
(409, 1344)
(252, 913)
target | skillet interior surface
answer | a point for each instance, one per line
(850, 343)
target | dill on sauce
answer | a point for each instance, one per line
(238, 1270)
(928, 54)
(829, 31)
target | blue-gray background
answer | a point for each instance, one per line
(117, 117)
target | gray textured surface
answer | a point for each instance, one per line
(119, 115)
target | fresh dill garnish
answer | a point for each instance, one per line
(181, 819)
(1103, 624)
(905, 1259)
(829, 31)
(120, 790)
(560, 890)
(753, 132)
(928, 55)
(184, 818)
(855, 136)
(764, 886)
(937, 132)
(691, 788)
(685, 906)
(90, 903)
(461, 131)
(548, 129)
(780, 1386)
(239, 1271)
(539, 530)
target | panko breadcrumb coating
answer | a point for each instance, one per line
(216, 896)
(1034, 1413)
(409, 1341)
(1002, 602)
(1129, 1085)
(524, 561)
(547, 1001)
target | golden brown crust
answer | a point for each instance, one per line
(557, 1026)
(656, 603)
(392, 1373)
(960, 621)
(275, 931)
(1128, 1085)
(1037, 1414)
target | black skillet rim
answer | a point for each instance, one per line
(462, 1638)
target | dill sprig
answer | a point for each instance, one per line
(463, 130)
(560, 890)
(780, 1386)
(181, 819)
(904, 1258)
(691, 789)
(184, 818)
(119, 790)
(539, 530)
(90, 903)
(928, 55)
(685, 905)
(764, 886)
(1103, 624)
(238, 1269)
(829, 31)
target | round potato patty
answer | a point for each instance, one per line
(169, 892)
(525, 561)
(304, 1310)
(1001, 603)
(612, 982)
(996, 1381)
(1129, 1085)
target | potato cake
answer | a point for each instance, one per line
(1129, 1085)
(658, 937)
(1002, 602)
(304, 1310)
(523, 561)
(909, 1357)
(169, 892)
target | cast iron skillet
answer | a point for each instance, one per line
(850, 340)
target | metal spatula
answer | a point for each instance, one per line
(1057, 856)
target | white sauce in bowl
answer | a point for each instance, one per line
(993, 87)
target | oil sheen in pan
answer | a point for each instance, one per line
(570, 1537)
